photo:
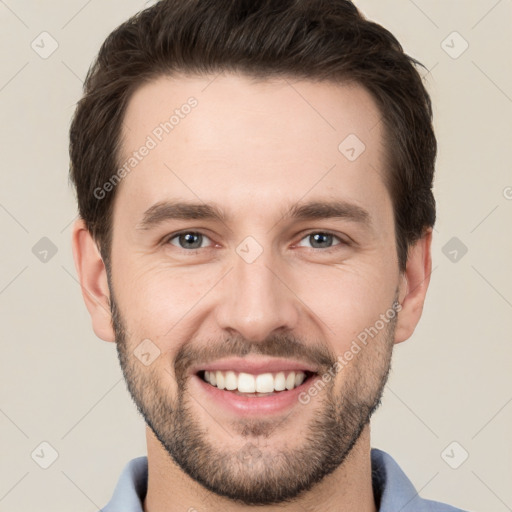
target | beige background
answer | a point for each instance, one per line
(450, 382)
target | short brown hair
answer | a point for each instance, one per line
(321, 40)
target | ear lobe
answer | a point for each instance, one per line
(414, 285)
(92, 275)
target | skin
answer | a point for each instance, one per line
(254, 148)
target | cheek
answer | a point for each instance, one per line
(158, 301)
(347, 300)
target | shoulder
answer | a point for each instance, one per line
(394, 491)
(131, 488)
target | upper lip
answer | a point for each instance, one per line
(255, 365)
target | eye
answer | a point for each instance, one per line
(194, 240)
(320, 240)
(188, 240)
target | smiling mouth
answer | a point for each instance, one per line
(259, 385)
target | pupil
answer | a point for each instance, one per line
(321, 239)
(191, 240)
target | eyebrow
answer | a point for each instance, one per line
(313, 210)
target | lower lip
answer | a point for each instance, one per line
(279, 402)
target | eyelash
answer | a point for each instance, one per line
(341, 243)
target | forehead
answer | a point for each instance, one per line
(232, 140)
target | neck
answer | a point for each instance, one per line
(347, 489)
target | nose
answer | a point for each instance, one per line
(257, 299)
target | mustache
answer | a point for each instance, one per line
(279, 345)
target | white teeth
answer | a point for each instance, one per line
(230, 381)
(290, 381)
(248, 383)
(299, 379)
(280, 382)
(264, 383)
(219, 376)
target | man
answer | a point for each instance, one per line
(254, 181)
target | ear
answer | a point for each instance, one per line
(413, 286)
(92, 275)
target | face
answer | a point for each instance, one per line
(253, 246)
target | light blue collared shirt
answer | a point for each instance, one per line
(392, 490)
